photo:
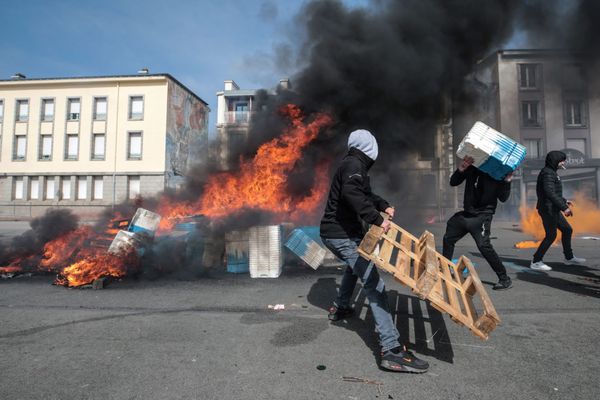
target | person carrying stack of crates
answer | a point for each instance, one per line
(482, 193)
(488, 161)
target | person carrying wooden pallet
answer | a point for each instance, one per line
(482, 193)
(351, 202)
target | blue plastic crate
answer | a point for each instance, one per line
(240, 268)
(238, 261)
(303, 245)
(314, 232)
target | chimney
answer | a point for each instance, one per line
(143, 71)
(231, 85)
(285, 84)
(18, 76)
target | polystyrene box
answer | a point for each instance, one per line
(493, 152)
(265, 251)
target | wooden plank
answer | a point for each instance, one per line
(370, 240)
(434, 277)
(386, 250)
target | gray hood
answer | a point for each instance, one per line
(364, 141)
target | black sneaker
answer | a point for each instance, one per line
(401, 360)
(336, 313)
(503, 284)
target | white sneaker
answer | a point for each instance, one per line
(540, 266)
(575, 260)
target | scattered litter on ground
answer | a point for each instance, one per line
(321, 367)
(277, 307)
(367, 381)
(589, 238)
(360, 380)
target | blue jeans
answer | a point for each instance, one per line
(374, 287)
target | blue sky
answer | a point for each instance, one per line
(201, 43)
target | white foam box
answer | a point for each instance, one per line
(265, 251)
(478, 143)
(144, 221)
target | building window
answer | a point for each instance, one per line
(136, 107)
(1, 110)
(529, 76)
(81, 187)
(241, 112)
(533, 148)
(20, 148)
(34, 188)
(133, 187)
(47, 110)
(22, 110)
(46, 147)
(65, 190)
(576, 144)
(100, 109)
(575, 113)
(72, 148)
(98, 183)
(19, 189)
(134, 146)
(50, 189)
(530, 113)
(98, 146)
(73, 109)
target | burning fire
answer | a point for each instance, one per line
(78, 257)
(585, 219)
(261, 182)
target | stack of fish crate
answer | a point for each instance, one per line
(265, 251)
(302, 245)
(236, 250)
(493, 153)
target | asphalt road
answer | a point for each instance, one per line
(216, 338)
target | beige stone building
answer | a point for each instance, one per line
(88, 143)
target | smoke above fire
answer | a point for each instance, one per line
(391, 68)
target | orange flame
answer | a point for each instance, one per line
(75, 258)
(80, 256)
(261, 182)
(585, 219)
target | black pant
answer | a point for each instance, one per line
(552, 221)
(479, 226)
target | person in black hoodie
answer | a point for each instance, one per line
(350, 205)
(550, 204)
(482, 193)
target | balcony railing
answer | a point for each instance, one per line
(237, 117)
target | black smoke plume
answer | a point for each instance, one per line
(54, 223)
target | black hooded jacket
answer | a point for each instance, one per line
(351, 200)
(549, 187)
(482, 192)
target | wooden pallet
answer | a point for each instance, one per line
(415, 263)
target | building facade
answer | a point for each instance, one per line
(88, 143)
(545, 100)
(235, 108)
